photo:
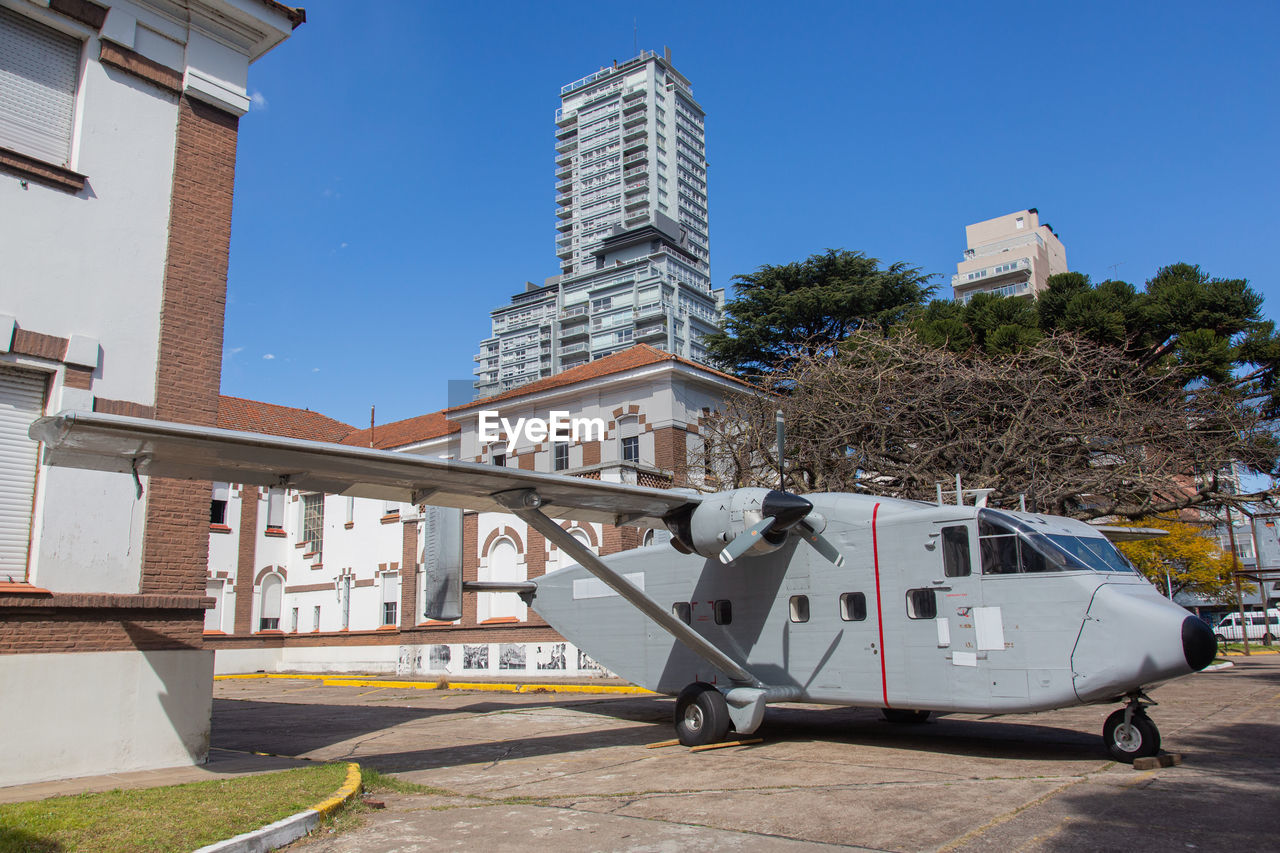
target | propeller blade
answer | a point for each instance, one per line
(821, 544)
(745, 540)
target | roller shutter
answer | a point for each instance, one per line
(39, 68)
(21, 402)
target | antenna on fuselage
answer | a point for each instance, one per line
(782, 476)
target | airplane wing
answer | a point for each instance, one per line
(135, 445)
(1117, 533)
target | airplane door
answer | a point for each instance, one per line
(958, 602)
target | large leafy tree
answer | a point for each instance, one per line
(1187, 559)
(805, 308)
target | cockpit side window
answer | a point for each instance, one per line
(999, 548)
(1007, 551)
(955, 552)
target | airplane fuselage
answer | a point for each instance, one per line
(922, 614)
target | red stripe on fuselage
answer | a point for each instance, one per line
(875, 556)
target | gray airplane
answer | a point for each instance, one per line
(762, 595)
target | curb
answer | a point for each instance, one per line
(1226, 664)
(291, 828)
(495, 687)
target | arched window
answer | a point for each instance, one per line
(271, 593)
(502, 564)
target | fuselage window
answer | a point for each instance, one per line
(723, 611)
(922, 604)
(955, 552)
(853, 607)
(799, 608)
(683, 611)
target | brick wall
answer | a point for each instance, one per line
(409, 614)
(99, 630)
(176, 543)
(246, 559)
(671, 453)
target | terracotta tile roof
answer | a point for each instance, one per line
(640, 355)
(408, 431)
(269, 418)
(237, 413)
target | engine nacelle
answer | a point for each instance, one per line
(705, 528)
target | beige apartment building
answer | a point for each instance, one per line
(1011, 255)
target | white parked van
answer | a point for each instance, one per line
(1261, 628)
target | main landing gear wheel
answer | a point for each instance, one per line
(1139, 739)
(903, 715)
(702, 715)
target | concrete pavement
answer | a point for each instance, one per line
(515, 771)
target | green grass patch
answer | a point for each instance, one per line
(158, 820)
(1254, 646)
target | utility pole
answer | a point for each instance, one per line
(1235, 572)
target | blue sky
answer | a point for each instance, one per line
(395, 180)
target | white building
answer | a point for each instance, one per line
(1011, 255)
(118, 127)
(631, 232)
(327, 583)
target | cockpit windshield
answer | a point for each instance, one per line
(1010, 546)
(1094, 551)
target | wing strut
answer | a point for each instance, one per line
(526, 503)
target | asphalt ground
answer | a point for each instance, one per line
(534, 771)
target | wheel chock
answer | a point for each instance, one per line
(661, 744)
(747, 742)
(1164, 759)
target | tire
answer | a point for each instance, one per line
(1142, 740)
(702, 715)
(904, 715)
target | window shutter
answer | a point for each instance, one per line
(21, 402)
(213, 616)
(39, 68)
(390, 587)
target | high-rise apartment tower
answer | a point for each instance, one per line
(631, 231)
(1011, 255)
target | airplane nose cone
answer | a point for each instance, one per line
(785, 508)
(1199, 645)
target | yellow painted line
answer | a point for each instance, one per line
(329, 680)
(1253, 651)
(348, 790)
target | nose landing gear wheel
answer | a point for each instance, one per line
(1139, 739)
(702, 715)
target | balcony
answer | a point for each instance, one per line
(563, 118)
(563, 213)
(651, 310)
(631, 95)
(563, 172)
(567, 147)
(564, 198)
(638, 187)
(565, 253)
(637, 120)
(574, 311)
(637, 145)
(635, 204)
(643, 216)
(633, 109)
(564, 158)
(989, 275)
(564, 223)
(564, 242)
(642, 157)
(658, 330)
(565, 185)
(573, 352)
(569, 333)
